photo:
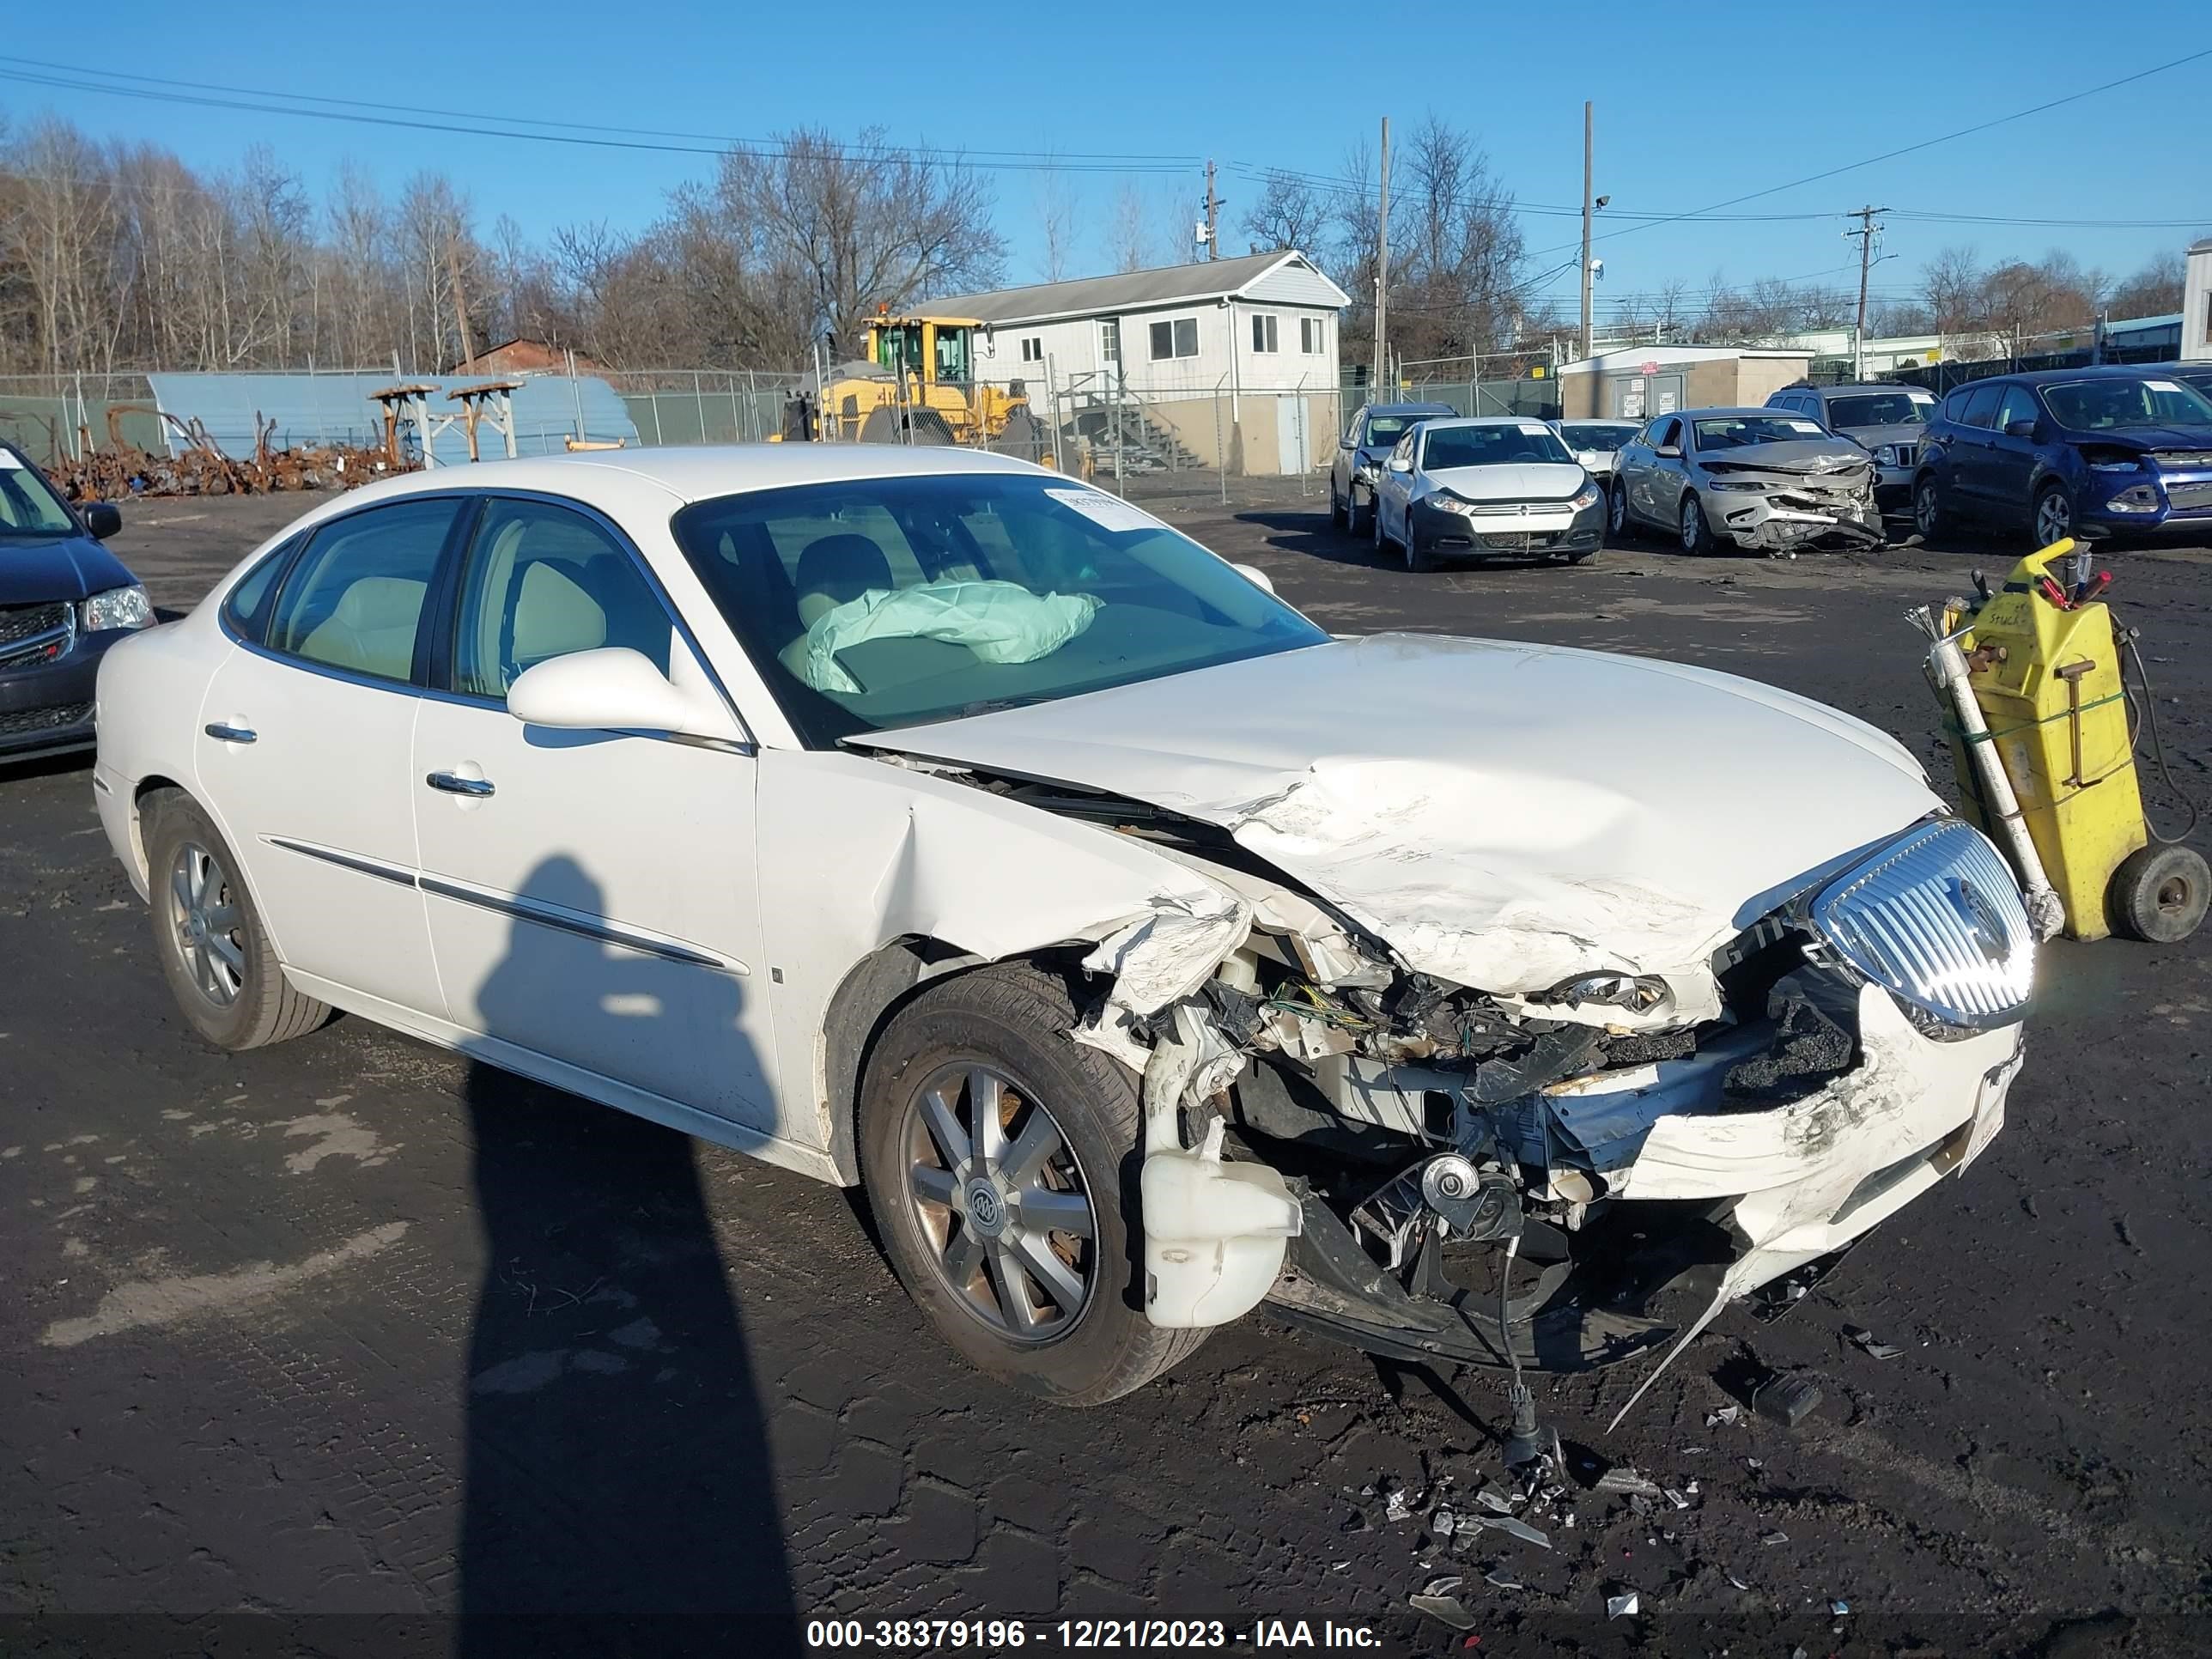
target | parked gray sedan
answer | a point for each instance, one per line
(1764, 479)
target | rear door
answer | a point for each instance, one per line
(592, 896)
(305, 747)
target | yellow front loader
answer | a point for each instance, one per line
(919, 361)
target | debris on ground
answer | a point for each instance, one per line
(122, 470)
(1839, 1607)
(1725, 1414)
(1517, 1527)
(1626, 1479)
(1867, 1340)
(1777, 1536)
(1396, 1506)
(1444, 1609)
(1624, 1605)
(1502, 1579)
(1788, 1400)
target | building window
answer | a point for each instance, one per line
(1313, 336)
(1033, 349)
(1109, 341)
(1178, 339)
(1263, 334)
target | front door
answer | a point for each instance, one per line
(305, 744)
(591, 895)
(2010, 458)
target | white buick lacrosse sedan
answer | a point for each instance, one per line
(926, 820)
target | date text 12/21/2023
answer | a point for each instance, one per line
(1001, 1635)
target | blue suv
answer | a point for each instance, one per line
(2091, 451)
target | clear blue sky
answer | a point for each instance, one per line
(1695, 105)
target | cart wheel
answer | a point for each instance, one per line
(2159, 894)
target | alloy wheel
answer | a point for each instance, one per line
(1616, 510)
(2054, 518)
(1693, 524)
(998, 1195)
(1927, 507)
(204, 915)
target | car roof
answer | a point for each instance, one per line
(2039, 377)
(1411, 409)
(1859, 386)
(1716, 413)
(1517, 421)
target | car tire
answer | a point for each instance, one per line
(1696, 534)
(1931, 512)
(964, 1255)
(1617, 524)
(1340, 516)
(2052, 515)
(2157, 894)
(208, 934)
(1375, 525)
(1355, 521)
(1417, 558)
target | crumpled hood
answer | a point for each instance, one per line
(1517, 481)
(1504, 815)
(1812, 456)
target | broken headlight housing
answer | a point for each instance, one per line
(1935, 918)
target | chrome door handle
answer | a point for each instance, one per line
(451, 784)
(222, 732)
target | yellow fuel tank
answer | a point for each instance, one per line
(2048, 681)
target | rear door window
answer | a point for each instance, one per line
(354, 600)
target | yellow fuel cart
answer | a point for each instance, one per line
(2042, 659)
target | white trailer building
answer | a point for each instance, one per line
(1247, 347)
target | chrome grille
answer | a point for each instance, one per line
(1907, 454)
(36, 633)
(1935, 918)
(19, 621)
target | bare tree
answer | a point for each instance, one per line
(1055, 211)
(2155, 290)
(1290, 213)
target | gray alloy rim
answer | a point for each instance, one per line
(1375, 518)
(203, 914)
(1001, 1202)
(1924, 507)
(1616, 509)
(2054, 518)
(1692, 514)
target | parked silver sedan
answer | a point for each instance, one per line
(1763, 479)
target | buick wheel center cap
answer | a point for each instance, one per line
(987, 1212)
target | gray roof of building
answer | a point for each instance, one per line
(1208, 279)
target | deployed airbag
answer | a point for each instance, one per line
(1000, 622)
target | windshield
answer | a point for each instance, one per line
(1734, 431)
(1607, 436)
(1880, 409)
(1491, 446)
(878, 603)
(28, 506)
(2118, 405)
(1384, 430)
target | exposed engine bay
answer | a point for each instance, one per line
(1375, 1147)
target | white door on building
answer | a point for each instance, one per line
(1294, 441)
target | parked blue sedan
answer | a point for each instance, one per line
(2097, 452)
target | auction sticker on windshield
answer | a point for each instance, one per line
(1108, 512)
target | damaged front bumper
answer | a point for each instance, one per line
(1790, 515)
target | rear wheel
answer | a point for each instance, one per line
(213, 949)
(2159, 894)
(1616, 512)
(1001, 1163)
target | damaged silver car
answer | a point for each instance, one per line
(922, 819)
(1762, 479)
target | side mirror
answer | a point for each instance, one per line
(613, 689)
(1254, 575)
(1397, 466)
(102, 519)
(1669, 451)
(2019, 428)
(1345, 443)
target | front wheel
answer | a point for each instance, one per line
(1339, 515)
(1418, 557)
(1001, 1163)
(2054, 515)
(209, 936)
(1930, 513)
(1354, 520)
(1696, 534)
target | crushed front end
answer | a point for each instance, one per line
(1655, 1143)
(1776, 506)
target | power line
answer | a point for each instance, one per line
(473, 125)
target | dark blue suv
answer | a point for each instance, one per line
(2092, 451)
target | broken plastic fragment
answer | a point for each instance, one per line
(1443, 1586)
(1788, 1400)
(1867, 1340)
(1395, 1506)
(1622, 1605)
(1737, 1581)
(1839, 1607)
(1442, 1522)
(1490, 1499)
(1777, 1536)
(1678, 1499)
(1518, 1528)
(1445, 1609)
(1725, 1414)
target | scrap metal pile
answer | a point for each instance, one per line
(122, 470)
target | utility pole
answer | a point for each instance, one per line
(1213, 216)
(1866, 233)
(1586, 230)
(1382, 273)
